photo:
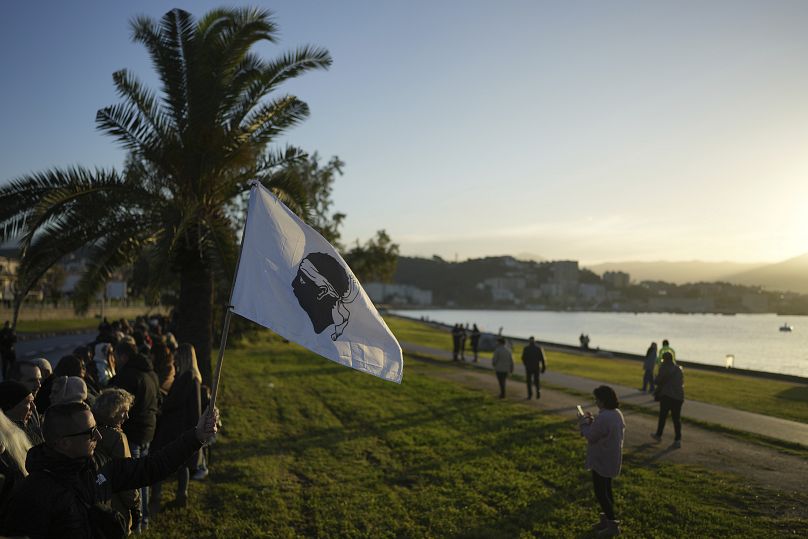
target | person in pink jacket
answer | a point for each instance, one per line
(604, 453)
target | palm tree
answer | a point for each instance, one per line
(193, 148)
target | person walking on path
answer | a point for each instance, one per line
(671, 392)
(463, 335)
(455, 342)
(503, 364)
(665, 348)
(648, 365)
(533, 358)
(604, 454)
(475, 341)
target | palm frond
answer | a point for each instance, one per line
(286, 185)
(273, 118)
(167, 59)
(288, 66)
(29, 202)
(119, 248)
(219, 245)
(132, 90)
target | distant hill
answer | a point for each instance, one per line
(680, 272)
(457, 282)
(791, 275)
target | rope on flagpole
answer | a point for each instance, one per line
(228, 313)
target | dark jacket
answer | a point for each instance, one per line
(114, 445)
(138, 378)
(532, 357)
(52, 501)
(42, 399)
(181, 410)
(32, 429)
(650, 360)
(670, 381)
(12, 478)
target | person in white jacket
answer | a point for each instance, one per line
(503, 364)
(104, 361)
(604, 453)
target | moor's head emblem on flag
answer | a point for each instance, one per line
(323, 288)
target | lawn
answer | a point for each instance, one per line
(57, 325)
(786, 400)
(313, 449)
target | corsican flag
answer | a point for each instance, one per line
(291, 280)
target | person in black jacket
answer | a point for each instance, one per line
(66, 490)
(180, 410)
(475, 341)
(136, 375)
(533, 358)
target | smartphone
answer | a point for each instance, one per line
(580, 411)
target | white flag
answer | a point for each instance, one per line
(291, 280)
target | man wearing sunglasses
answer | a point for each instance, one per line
(66, 490)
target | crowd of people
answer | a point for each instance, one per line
(460, 334)
(83, 445)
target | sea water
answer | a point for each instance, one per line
(754, 340)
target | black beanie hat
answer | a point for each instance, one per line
(11, 393)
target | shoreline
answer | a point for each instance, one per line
(603, 353)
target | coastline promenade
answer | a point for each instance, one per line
(738, 420)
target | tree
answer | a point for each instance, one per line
(52, 283)
(192, 152)
(375, 260)
(317, 181)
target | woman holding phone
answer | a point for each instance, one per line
(604, 453)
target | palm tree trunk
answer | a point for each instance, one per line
(195, 317)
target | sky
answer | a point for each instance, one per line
(588, 130)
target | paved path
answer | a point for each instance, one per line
(772, 427)
(53, 347)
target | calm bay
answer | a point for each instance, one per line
(754, 340)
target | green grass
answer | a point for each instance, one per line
(786, 400)
(313, 449)
(48, 326)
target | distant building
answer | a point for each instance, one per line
(616, 279)
(591, 292)
(8, 271)
(565, 271)
(755, 303)
(682, 305)
(551, 290)
(507, 283)
(398, 294)
(503, 294)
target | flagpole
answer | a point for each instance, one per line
(217, 374)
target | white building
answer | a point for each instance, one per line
(591, 292)
(616, 279)
(401, 294)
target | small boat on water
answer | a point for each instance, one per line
(787, 328)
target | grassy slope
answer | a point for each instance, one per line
(313, 449)
(47, 326)
(770, 397)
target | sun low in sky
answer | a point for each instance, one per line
(589, 130)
